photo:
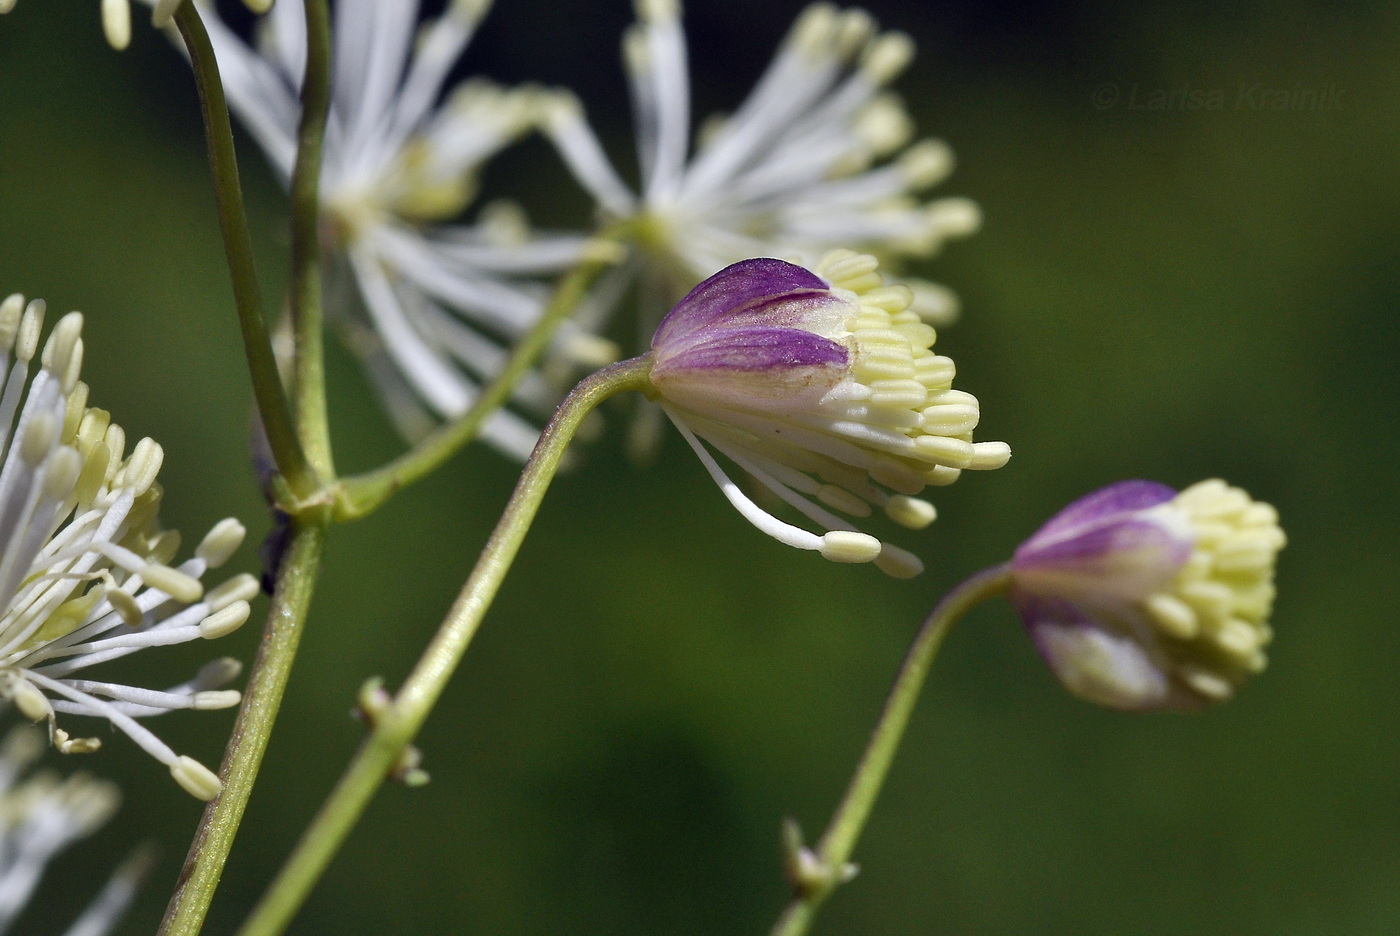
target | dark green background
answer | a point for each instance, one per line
(1168, 294)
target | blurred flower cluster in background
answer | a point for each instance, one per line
(1185, 269)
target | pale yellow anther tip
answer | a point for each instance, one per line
(242, 587)
(32, 703)
(224, 621)
(221, 542)
(213, 699)
(30, 325)
(988, 456)
(258, 6)
(911, 512)
(116, 22)
(143, 465)
(178, 585)
(126, 607)
(887, 56)
(195, 779)
(953, 217)
(656, 11)
(898, 563)
(849, 546)
(926, 163)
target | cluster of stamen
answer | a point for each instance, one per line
(898, 404)
(1216, 609)
(85, 566)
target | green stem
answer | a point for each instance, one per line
(360, 495)
(238, 247)
(827, 868)
(296, 580)
(398, 722)
(310, 380)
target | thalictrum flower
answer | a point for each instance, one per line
(802, 167)
(40, 816)
(433, 303)
(824, 389)
(1141, 598)
(84, 563)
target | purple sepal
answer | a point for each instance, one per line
(752, 337)
(1122, 498)
(758, 348)
(732, 291)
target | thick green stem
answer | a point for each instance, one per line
(821, 873)
(362, 494)
(238, 246)
(310, 379)
(398, 722)
(296, 580)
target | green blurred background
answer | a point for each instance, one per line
(1173, 294)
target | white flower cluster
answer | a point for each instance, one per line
(40, 816)
(84, 563)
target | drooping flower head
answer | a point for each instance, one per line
(85, 574)
(816, 158)
(40, 816)
(1141, 598)
(826, 390)
(429, 304)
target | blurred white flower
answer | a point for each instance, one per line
(116, 16)
(807, 164)
(440, 301)
(84, 573)
(40, 816)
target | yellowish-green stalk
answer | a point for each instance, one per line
(815, 874)
(398, 722)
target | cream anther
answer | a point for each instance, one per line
(32, 703)
(10, 311)
(887, 56)
(213, 699)
(224, 621)
(898, 563)
(242, 587)
(29, 327)
(176, 584)
(911, 512)
(116, 23)
(849, 546)
(221, 542)
(143, 465)
(196, 779)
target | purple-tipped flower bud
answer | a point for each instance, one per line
(825, 389)
(1142, 598)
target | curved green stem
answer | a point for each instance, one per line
(817, 874)
(360, 495)
(398, 722)
(296, 580)
(310, 380)
(238, 247)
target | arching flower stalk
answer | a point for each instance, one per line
(1141, 598)
(430, 305)
(818, 157)
(824, 388)
(85, 574)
